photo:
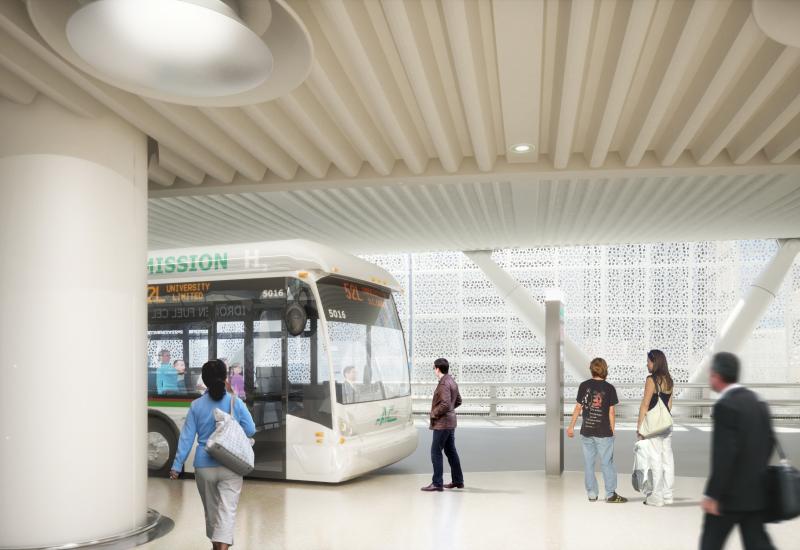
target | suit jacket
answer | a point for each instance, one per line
(446, 399)
(741, 449)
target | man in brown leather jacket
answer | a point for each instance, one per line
(446, 399)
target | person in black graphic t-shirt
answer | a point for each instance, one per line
(595, 403)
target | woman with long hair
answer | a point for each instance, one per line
(219, 487)
(659, 385)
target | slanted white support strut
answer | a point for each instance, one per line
(528, 309)
(748, 312)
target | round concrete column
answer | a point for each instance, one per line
(73, 424)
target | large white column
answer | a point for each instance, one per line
(73, 222)
(747, 313)
(529, 310)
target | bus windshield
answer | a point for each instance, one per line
(367, 344)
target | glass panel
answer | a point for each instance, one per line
(175, 358)
(247, 321)
(266, 391)
(309, 389)
(164, 355)
(367, 343)
(388, 366)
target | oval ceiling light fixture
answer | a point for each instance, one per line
(193, 52)
(180, 47)
(779, 20)
(522, 148)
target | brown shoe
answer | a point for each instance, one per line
(453, 485)
(432, 487)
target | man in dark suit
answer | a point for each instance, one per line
(446, 399)
(742, 444)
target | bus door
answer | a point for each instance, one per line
(248, 336)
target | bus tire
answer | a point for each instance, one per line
(162, 444)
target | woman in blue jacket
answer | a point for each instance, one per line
(219, 487)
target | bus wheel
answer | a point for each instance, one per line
(161, 447)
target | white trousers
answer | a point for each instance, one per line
(219, 490)
(663, 468)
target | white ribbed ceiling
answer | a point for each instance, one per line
(650, 120)
(486, 214)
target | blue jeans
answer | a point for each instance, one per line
(604, 447)
(445, 440)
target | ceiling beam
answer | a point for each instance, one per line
(274, 121)
(174, 163)
(463, 28)
(194, 123)
(393, 61)
(434, 21)
(700, 20)
(362, 49)
(716, 137)
(580, 27)
(158, 174)
(604, 41)
(786, 143)
(14, 88)
(632, 47)
(26, 66)
(774, 115)
(739, 55)
(406, 21)
(238, 126)
(304, 109)
(336, 93)
(503, 171)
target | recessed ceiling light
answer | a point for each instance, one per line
(522, 148)
(196, 48)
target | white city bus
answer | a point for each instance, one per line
(314, 348)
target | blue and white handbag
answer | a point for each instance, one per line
(229, 445)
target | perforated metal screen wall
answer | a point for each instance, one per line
(620, 302)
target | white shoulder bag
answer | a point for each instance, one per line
(658, 420)
(229, 445)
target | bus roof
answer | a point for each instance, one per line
(261, 258)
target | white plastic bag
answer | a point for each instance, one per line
(642, 477)
(229, 445)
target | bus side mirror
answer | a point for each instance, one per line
(296, 318)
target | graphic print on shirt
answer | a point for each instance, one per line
(593, 411)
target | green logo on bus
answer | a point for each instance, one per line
(386, 416)
(192, 262)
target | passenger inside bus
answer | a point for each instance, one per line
(166, 375)
(237, 380)
(349, 390)
(180, 370)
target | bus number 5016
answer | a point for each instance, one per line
(336, 314)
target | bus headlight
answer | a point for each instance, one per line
(345, 428)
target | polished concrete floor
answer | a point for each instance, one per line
(497, 510)
(489, 445)
(508, 502)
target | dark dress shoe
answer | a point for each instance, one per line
(454, 486)
(432, 487)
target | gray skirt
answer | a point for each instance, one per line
(219, 490)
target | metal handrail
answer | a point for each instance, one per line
(698, 407)
(623, 385)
